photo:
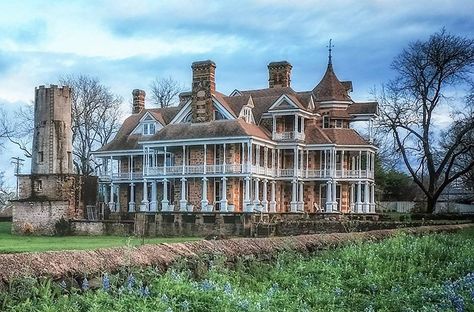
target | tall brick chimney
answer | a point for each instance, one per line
(279, 74)
(138, 101)
(204, 85)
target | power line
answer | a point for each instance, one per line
(18, 163)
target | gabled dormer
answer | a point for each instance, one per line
(246, 113)
(148, 125)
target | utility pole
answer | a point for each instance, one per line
(18, 163)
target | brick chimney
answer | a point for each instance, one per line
(279, 74)
(204, 85)
(138, 101)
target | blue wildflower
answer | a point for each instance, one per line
(243, 304)
(207, 285)
(272, 290)
(164, 298)
(130, 281)
(370, 308)
(106, 282)
(458, 303)
(63, 285)
(144, 291)
(338, 292)
(85, 284)
(228, 288)
(185, 305)
(373, 289)
(174, 275)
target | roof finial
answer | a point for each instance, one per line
(330, 46)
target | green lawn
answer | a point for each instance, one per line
(13, 243)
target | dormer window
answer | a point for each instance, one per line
(338, 123)
(247, 112)
(326, 121)
(148, 128)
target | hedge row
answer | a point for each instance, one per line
(77, 263)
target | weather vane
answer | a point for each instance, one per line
(330, 46)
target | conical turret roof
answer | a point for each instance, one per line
(330, 88)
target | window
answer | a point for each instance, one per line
(218, 115)
(338, 123)
(39, 185)
(247, 114)
(148, 128)
(326, 122)
(40, 157)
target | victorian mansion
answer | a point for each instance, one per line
(266, 150)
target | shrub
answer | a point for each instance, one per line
(62, 227)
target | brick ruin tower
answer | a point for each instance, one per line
(52, 191)
(52, 137)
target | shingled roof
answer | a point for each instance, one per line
(330, 88)
(124, 140)
(362, 108)
(344, 136)
(214, 129)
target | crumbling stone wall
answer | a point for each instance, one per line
(38, 217)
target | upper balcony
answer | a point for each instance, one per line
(288, 136)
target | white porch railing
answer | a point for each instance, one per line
(287, 136)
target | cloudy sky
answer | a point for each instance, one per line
(128, 43)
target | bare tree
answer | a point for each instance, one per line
(5, 129)
(22, 127)
(6, 194)
(165, 91)
(428, 72)
(95, 118)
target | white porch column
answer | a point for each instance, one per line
(164, 201)
(301, 197)
(295, 162)
(294, 193)
(117, 204)
(329, 196)
(184, 160)
(164, 162)
(334, 196)
(359, 197)
(224, 195)
(145, 203)
(223, 158)
(111, 199)
(204, 169)
(366, 197)
(183, 203)
(131, 204)
(372, 197)
(153, 204)
(342, 164)
(325, 162)
(204, 201)
(296, 123)
(351, 204)
(265, 195)
(256, 199)
(272, 197)
(247, 195)
(359, 164)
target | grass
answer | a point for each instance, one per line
(404, 273)
(15, 243)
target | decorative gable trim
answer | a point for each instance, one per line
(235, 93)
(283, 98)
(221, 109)
(311, 103)
(182, 113)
